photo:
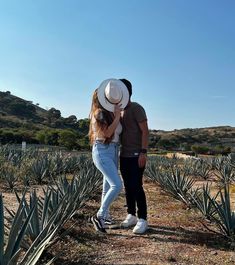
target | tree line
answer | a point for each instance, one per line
(21, 120)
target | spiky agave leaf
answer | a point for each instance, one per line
(224, 217)
(16, 234)
(42, 240)
(202, 201)
(152, 171)
(1, 230)
(203, 168)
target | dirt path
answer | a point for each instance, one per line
(175, 236)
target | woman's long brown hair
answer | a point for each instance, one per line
(100, 125)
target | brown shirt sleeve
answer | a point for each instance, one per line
(140, 114)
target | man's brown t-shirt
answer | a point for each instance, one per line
(131, 138)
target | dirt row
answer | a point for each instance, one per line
(176, 235)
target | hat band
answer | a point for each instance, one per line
(112, 102)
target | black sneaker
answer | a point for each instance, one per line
(109, 221)
(111, 224)
(98, 224)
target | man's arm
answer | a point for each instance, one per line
(145, 135)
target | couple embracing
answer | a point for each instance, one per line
(115, 119)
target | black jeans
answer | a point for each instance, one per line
(133, 181)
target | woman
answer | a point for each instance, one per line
(105, 127)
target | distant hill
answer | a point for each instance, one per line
(16, 112)
(22, 120)
(184, 139)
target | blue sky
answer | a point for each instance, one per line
(178, 54)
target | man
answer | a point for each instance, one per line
(133, 157)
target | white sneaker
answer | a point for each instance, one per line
(130, 220)
(141, 227)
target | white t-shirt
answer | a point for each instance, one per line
(99, 137)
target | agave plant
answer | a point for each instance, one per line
(188, 167)
(203, 169)
(66, 197)
(223, 216)
(9, 176)
(162, 162)
(43, 240)
(36, 249)
(57, 164)
(9, 253)
(201, 198)
(16, 157)
(179, 185)
(40, 168)
(26, 172)
(42, 215)
(231, 158)
(225, 171)
(43, 224)
(174, 182)
(74, 163)
(153, 172)
(218, 163)
(87, 180)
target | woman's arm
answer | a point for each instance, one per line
(109, 131)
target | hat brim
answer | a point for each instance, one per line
(104, 102)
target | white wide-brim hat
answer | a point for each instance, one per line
(113, 92)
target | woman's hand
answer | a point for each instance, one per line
(109, 131)
(117, 111)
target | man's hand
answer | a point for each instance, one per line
(142, 160)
